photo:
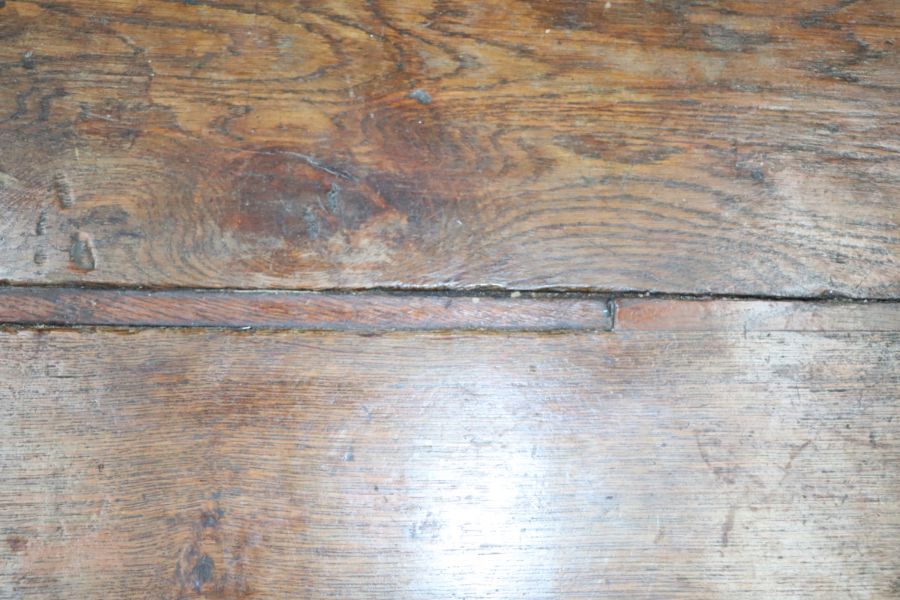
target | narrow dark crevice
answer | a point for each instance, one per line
(486, 291)
(362, 311)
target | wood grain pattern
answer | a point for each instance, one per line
(719, 146)
(302, 310)
(373, 311)
(185, 463)
(658, 314)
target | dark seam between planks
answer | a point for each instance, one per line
(370, 312)
(484, 291)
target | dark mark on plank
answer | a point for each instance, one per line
(46, 101)
(420, 96)
(63, 190)
(202, 572)
(28, 60)
(730, 40)
(334, 198)
(312, 223)
(16, 543)
(81, 252)
(211, 518)
(40, 228)
(727, 526)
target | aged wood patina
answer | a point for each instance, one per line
(683, 147)
(545, 299)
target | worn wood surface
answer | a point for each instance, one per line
(722, 146)
(303, 310)
(644, 314)
(185, 168)
(374, 311)
(181, 463)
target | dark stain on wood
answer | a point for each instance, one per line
(40, 227)
(16, 543)
(420, 96)
(727, 526)
(211, 518)
(195, 570)
(28, 62)
(730, 40)
(202, 572)
(334, 198)
(81, 252)
(63, 191)
(282, 197)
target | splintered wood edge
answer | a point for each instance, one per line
(302, 310)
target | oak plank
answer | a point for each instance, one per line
(661, 314)
(302, 310)
(685, 147)
(178, 463)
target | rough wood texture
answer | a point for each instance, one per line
(187, 463)
(301, 310)
(722, 146)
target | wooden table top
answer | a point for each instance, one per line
(544, 299)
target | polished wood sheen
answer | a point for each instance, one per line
(183, 463)
(683, 147)
(445, 299)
